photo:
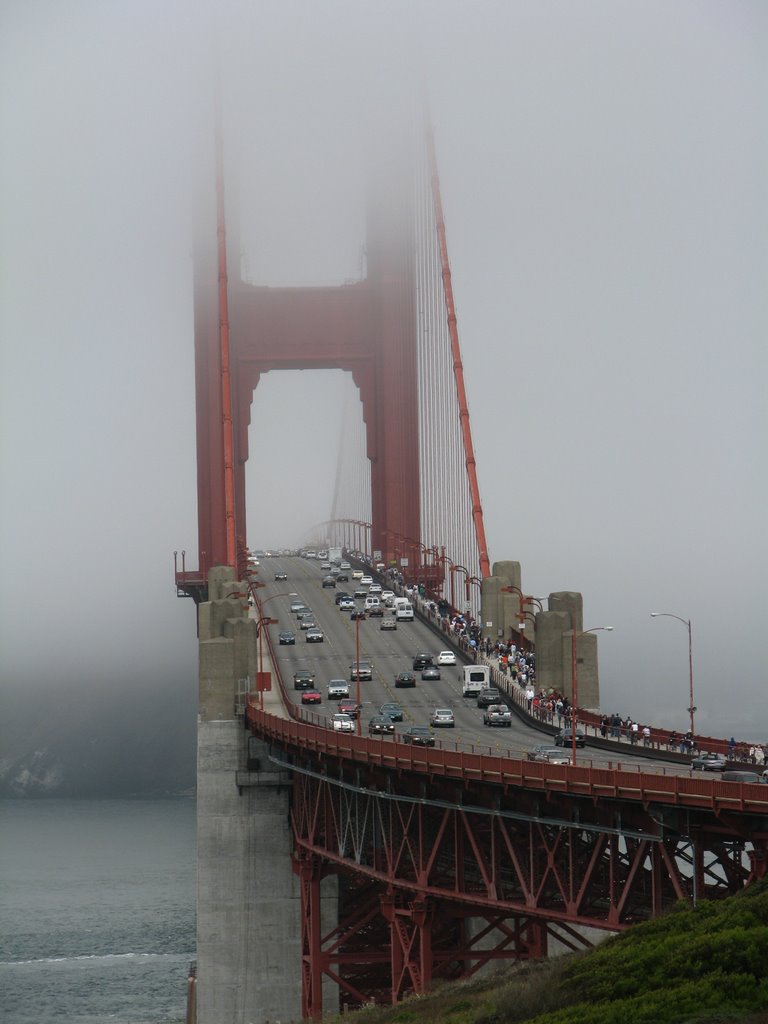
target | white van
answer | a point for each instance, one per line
(372, 601)
(403, 609)
(476, 678)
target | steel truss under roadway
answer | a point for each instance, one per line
(443, 876)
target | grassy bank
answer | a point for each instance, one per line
(690, 967)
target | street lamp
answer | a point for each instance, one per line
(687, 623)
(574, 681)
(357, 669)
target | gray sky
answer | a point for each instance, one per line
(603, 168)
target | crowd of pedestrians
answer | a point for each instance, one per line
(551, 706)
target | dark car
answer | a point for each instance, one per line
(565, 738)
(358, 613)
(287, 637)
(342, 576)
(376, 609)
(340, 595)
(303, 679)
(487, 697)
(281, 575)
(709, 762)
(329, 581)
(381, 724)
(392, 711)
(405, 679)
(419, 735)
(315, 635)
(737, 776)
(311, 697)
(430, 672)
(421, 661)
(347, 706)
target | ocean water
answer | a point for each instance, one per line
(97, 910)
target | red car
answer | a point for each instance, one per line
(349, 707)
(311, 697)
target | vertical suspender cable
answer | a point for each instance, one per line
(224, 367)
(477, 511)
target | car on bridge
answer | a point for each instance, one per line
(303, 679)
(565, 738)
(342, 576)
(404, 679)
(388, 622)
(346, 604)
(366, 581)
(421, 661)
(393, 711)
(338, 688)
(350, 707)
(419, 736)
(446, 658)
(380, 725)
(329, 581)
(362, 670)
(430, 673)
(287, 637)
(487, 697)
(315, 635)
(360, 595)
(497, 714)
(281, 576)
(297, 607)
(358, 613)
(442, 718)
(311, 697)
(345, 566)
(709, 762)
(357, 574)
(375, 588)
(307, 621)
(342, 723)
(302, 610)
(553, 755)
(325, 565)
(340, 596)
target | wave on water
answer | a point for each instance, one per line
(100, 958)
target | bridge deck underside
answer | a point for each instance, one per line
(439, 879)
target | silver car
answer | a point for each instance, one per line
(442, 718)
(552, 755)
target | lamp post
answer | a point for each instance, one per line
(357, 670)
(687, 623)
(574, 681)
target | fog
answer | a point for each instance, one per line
(603, 169)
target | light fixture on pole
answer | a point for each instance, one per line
(687, 623)
(575, 681)
(357, 669)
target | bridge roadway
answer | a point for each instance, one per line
(392, 652)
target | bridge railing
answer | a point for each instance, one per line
(701, 792)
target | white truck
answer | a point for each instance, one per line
(403, 609)
(476, 678)
(335, 556)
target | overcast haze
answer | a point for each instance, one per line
(603, 168)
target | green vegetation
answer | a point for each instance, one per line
(703, 966)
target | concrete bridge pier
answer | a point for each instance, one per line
(248, 920)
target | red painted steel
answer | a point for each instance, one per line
(458, 368)
(224, 362)
(447, 861)
(367, 329)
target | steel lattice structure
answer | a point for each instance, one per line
(448, 861)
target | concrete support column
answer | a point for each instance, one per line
(587, 681)
(499, 611)
(248, 919)
(551, 664)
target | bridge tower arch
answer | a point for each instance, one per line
(367, 327)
